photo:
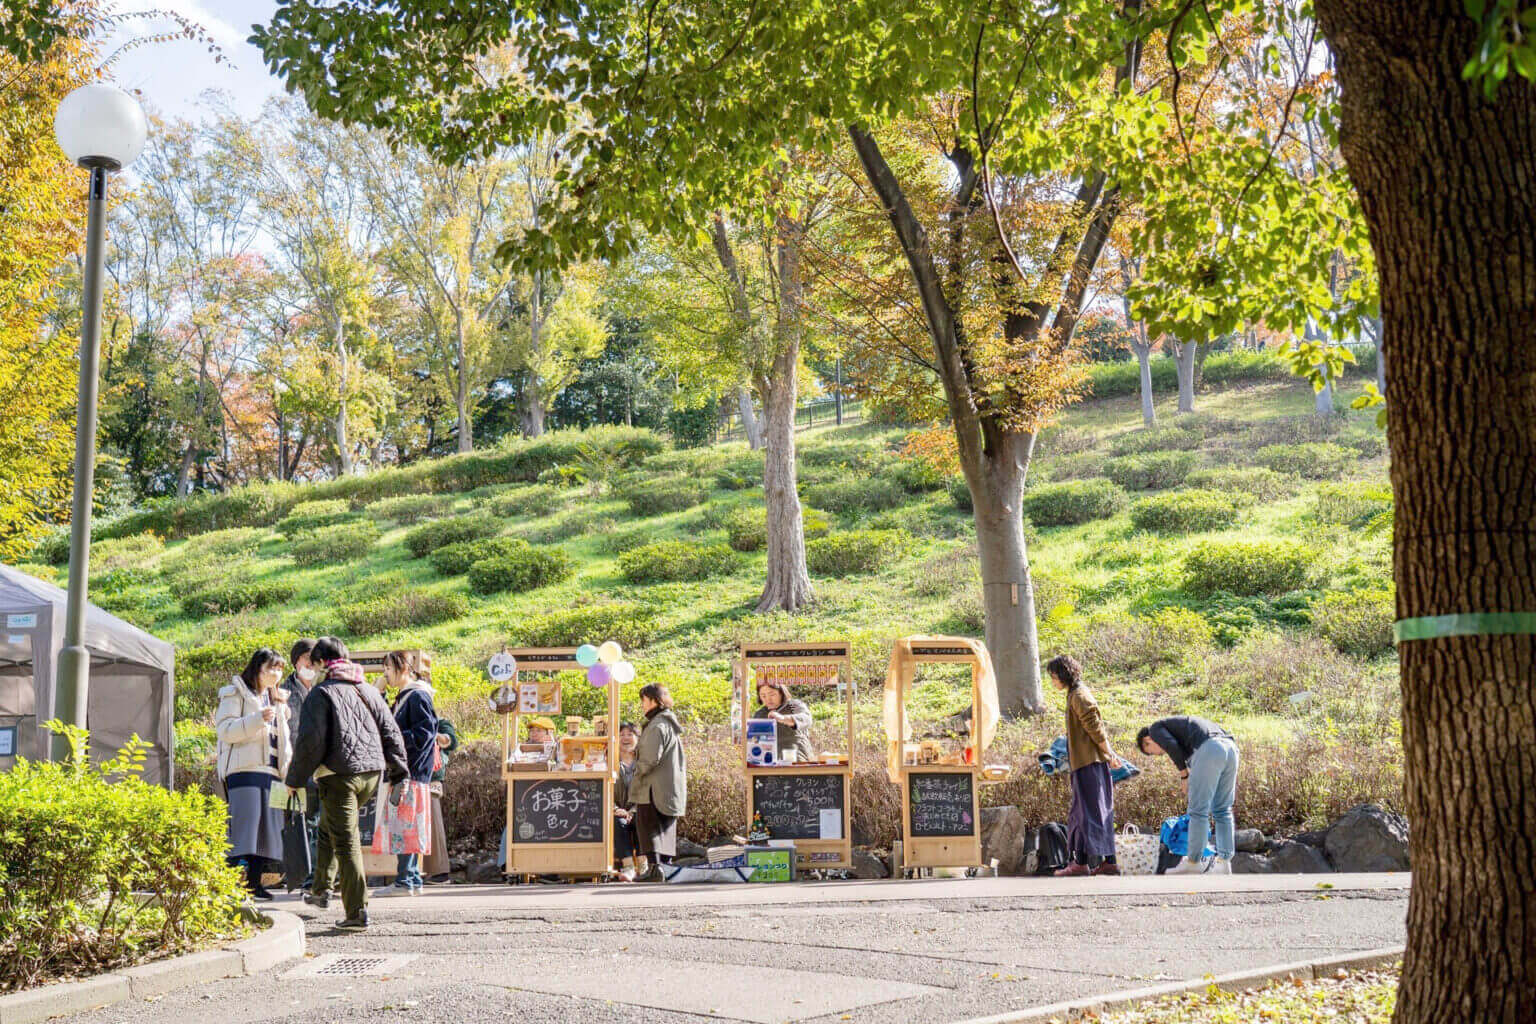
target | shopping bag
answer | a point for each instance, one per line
(296, 862)
(1175, 836)
(1136, 852)
(405, 823)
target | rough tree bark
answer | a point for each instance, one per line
(532, 398)
(343, 444)
(1445, 180)
(466, 427)
(1184, 355)
(749, 424)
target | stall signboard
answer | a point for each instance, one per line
(942, 803)
(8, 741)
(557, 810)
(800, 806)
(502, 667)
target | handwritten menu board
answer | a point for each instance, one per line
(941, 803)
(800, 806)
(557, 810)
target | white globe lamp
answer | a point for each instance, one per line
(100, 125)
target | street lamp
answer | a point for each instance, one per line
(102, 129)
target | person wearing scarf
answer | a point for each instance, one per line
(417, 719)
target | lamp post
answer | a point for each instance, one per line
(102, 129)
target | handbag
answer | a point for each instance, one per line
(296, 863)
(1136, 852)
(405, 820)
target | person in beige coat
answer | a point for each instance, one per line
(255, 747)
(659, 788)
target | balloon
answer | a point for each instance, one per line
(610, 652)
(623, 672)
(586, 655)
(599, 675)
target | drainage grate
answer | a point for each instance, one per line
(340, 965)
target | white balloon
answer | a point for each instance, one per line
(609, 652)
(623, 672)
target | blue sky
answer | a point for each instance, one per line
(171, 76)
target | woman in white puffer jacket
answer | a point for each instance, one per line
(254, 751)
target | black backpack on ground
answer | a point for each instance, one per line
(1049, 848)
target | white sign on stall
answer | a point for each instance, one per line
(502, 667)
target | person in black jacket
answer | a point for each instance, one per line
(346, 739)
(1207, 759)
(417, 719)
(298, 684)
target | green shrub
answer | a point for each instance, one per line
(428, 537)
(227, 594)
(1246, 485)
(669, 561)
(410, 508)
(211, 547)
(136, 552)
(527, 568)
(620, 541)
(1079, 466)
(669, 494)
(587, 522)
(1357, 622)
(402, 609)
(342, 542)
(1246, 568)
(1368, 447)
(850, 497)
(1185, 511)
(856, 455)
(101, 873)
(1153, 471)
(746, 527)
(312, 515)
(533, 500)
(1315, 460)
(1156, 439)
(960, 493)
(857, 551)
(1352, 504)
(630, 624)
(918, 475)
(323, 507)
(1110, 380)
(53, 548)
(741, 473)
(47, 573)
(455, 559)
(1072, 502)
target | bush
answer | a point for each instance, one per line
(851, 497)
(527, 568)
(858, 551)
(960, 493)
(342, 542)
(919, 475)
(1130, 644)
(134, 552)
(402, 609)
(630, 624)
(1253, 483)
(746, 527)
(1368, 447)
(533, 500)
(1357, 622)
(220, 544)
(1315, 461)
(428, 537)
(1187, 511)
(100, 873)
(586, 522)
(228, 593)
(1072, 502)
(330, 513)
(1153, 471)
(53, 549)
(1352, 504)
(741, 473)
(669, 494)
(410, 508)
(1246, 568)
(670, 561)
(1156, 439)
(455, 559)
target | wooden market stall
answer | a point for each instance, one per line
(803, 801)
(939, 777)
(560, 799)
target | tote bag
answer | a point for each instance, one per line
(405, 825)
(1136, 852)
(296, 863)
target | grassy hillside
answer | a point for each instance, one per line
(1219, 564)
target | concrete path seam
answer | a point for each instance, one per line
(282, 940)
(1239, 981)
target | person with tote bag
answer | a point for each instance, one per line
(254, 751)
(405, 826)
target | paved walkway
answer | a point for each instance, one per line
(880, 952)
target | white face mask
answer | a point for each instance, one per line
(306, 676)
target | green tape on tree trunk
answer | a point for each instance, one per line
(1433, 627)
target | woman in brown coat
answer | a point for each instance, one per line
(1091, 820)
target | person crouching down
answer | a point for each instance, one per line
(1091, 819)
(1207, 760)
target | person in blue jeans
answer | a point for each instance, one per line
(1207, 759)
(417, 718)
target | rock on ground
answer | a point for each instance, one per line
(1004, 834)
(1368, 838)
(1292, 858)
(867, 865)
(1249, 840)
(1244, 863)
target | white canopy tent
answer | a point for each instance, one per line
(132, 678)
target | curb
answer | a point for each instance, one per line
(1315, 970)
(282, 940)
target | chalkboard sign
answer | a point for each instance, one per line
(800, 806)
(557, 810)
(941, 804)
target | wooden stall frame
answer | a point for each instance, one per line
(939, 851)
(810, 854)
(576, 859)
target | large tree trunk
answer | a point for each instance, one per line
(1322, 403)
(1445, 180)
(1008, 591)
(1184, 354)
(1144, 358)
(532, 398)
(788, 586)
(461, 392)
(343, 443)
(749, 424)
(530, 407)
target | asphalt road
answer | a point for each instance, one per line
(881, 952)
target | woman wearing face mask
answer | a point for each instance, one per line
(254, 751)
(300, 681)
(625, 841)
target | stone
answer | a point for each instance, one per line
(484, 872)
(1004, 838)
(1314, 838)
(1249, 840)
(1244, 863)
(867, 865)
(1368, 838)
(689, 848)
(1292, 858)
